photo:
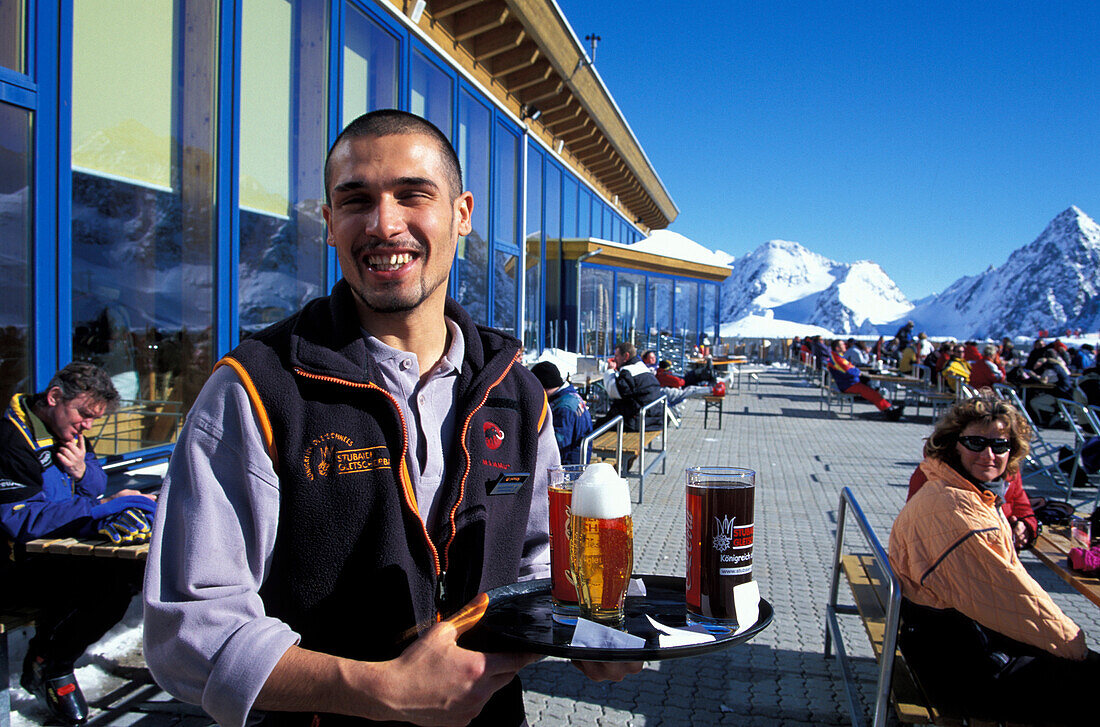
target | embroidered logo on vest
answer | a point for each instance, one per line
(45, 458)
(494, 435)
(336, 454)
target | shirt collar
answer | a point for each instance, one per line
(449, 362)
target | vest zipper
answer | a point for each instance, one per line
(469, 464)
(439, 573)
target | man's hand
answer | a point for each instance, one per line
(70, 456)
(433, 682)
(603, 671)
(127, 493)
(436, 682)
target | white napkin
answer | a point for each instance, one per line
(679, 637)
(746, 604)
(635, 588)
(593, 635)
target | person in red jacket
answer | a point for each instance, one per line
(985, 371)
(666, 378)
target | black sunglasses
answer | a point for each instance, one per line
(978, 444)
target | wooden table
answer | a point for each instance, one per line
(96, 547)
(1052, 547)
(891, 381)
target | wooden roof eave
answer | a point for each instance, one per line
(624, 257)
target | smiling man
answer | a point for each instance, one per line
(354, 476)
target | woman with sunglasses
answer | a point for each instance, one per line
(982, 636)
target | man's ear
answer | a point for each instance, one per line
(464, 210)
(326, 212)
(53, 395)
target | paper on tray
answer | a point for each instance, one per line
(746, 603)
(592, 635)
(679, 637)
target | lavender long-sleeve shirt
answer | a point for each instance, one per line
(208, 640)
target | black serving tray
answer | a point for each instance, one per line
(520, 618)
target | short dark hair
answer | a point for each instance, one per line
(81, 377)
(627, 349)
(388, 122)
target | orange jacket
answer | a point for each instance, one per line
(952, 548)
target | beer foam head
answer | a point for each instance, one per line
(600, 493)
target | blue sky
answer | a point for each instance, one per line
(933, 138)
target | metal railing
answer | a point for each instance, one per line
(833, 609)
(586, 443)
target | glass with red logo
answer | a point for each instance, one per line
(720, 515)
(563, 590)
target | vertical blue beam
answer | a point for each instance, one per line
(227, 317)
(52, 66)
(335, 99)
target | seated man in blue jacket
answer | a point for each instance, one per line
(51, 485)
(572, 420)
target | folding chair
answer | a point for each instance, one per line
(1044, 456)
(1083, 422)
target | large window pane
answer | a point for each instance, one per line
(659, 313)
(283, 143)
(473, 249)
(504, 290)
(687, 312)
(370, 66)
(505, 227)
(708, 313)
(595, 313)
(532, 315)
(569, 208)
(142, 203)
(431, 92)
(13, 35)
(585, 215)
(630, 308)
(16, 138)
(506, 179)
(556, 333)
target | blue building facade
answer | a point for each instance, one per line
(161, 176)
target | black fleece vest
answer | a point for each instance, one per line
(354, 570)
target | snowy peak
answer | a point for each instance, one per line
(1049, 284)
(796, 284)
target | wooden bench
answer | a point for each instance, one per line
(877, 595)
(716, 403)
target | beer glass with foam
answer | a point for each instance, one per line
(601, 553)
(720, 515)
(560, 492)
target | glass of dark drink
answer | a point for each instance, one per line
(720, 509)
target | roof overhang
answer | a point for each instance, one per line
(624, 256)
(525, 52)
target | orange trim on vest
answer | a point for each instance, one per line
(545, 410)
(257, 405)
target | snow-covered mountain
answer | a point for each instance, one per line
(1051, 284)
(802, 286)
